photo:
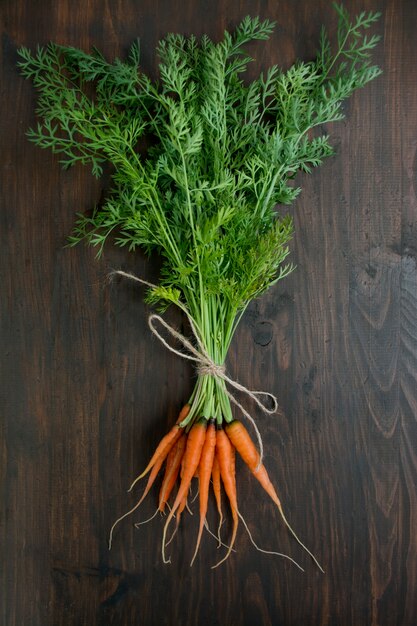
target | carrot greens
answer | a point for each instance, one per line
(201, 158)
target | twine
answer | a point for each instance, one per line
(205, 364)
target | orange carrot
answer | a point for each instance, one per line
(215, 474)
(171, 471)
(184, 500)
(167, 441)
(204, 472)
(226, 457)
(183, 413)
(190, 461)
(243, 443)
(152, 477)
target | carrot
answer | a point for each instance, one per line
(151, 479)
(166, 442)
(190, 461)
(243, 443)
(171, 471)
(183, 413)
(226, 457)
(183, 502)
(204, 472)
(215, 474)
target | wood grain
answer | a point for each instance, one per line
(87, 392)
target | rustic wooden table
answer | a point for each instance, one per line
(86, 392)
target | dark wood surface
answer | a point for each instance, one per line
(86, 392)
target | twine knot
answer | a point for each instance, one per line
(211, 369)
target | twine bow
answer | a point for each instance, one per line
(205, 364)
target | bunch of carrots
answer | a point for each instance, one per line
(206, 450)
(222, 156)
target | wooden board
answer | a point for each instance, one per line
(86, 391)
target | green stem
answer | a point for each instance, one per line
(216, 325)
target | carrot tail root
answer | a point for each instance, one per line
(285, 556)
(292, 531)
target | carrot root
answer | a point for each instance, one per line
(206, 526)
(119, 519)
(149, 484)
(285, 556)
(234, 533)
(137, 524)
(299, 540)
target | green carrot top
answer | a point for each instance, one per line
(222, 153)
